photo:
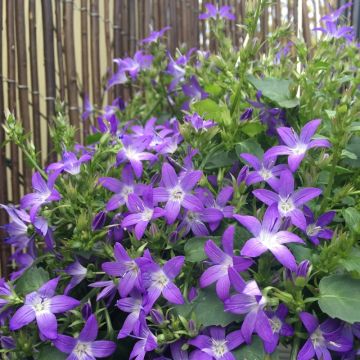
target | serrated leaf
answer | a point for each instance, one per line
(194, 247)
(208, 309)
(252, 129)
(340, 297)
(352, 219)
(31, 280)
(276, 90)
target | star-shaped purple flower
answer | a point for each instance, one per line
(42, 305)
(142, 212)
(159, 280)
(125, 268)
(155, 35)
(133, 151)
(122, 188)
(69, 163)
(216, 346)
(296, 146)
(268, 237)
(198, 123)
(147, 342)
(44, 193)
(85, 346)
(249, 301)
(288, 201)
(78, 274)
(222, 262)
(176, 192)
(324, 337)
(264, 169)
(213, 12)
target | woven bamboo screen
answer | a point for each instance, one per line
(62, 49)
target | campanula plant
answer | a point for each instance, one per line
(213, 215)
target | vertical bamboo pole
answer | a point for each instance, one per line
(48, 28)
(264, 23)
(118, 41)
(85, 60)
(95, 49)
(108, 46)
(22, 82)
(125, 41)
(306, 23)
(4, 249)
(278, 13)
(34, 76)
(59, 49)
(70, 64)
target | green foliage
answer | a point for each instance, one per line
(340, 297)
(31, 280)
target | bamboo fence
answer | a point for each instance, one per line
(63, 50)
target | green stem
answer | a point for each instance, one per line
(295, 344)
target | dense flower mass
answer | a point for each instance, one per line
(190, 225)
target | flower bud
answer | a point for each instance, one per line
(247, 114)
(98, 221)
(157, 316)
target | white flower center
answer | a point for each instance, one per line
(177, 194)
(317, 338)
(126, 191)
(312, 230)
(82, 350)
(131, 154)
(219, 348)
(265, 173)
(267, 239)
(41, 305)
(147, 214)
(299, 149)
(160, 279)
(276, 324)
(286, 206)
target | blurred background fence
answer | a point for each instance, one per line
(62, 49)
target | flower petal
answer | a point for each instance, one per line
(190, 180)
(102, 348)
(47, 324)
(169, 177)
(173, 267)
(62, 303)
(23, 316)
(284, 256)
(65, 343)
(253, 248)
(251, 223)
(308, 131)
(90, 330)
(173, 294)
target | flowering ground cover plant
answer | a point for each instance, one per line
(215, 215)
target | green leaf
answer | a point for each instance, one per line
(194, 247)
(254, 351)
(340, 297)
(249, 146)
(252, 129)
(276, 90)
(221, 159)
(50, 352)
(31, 280)
(352, 261)
(93, 138)
(208, 309)
(211, 110)
(300, 252)
(213, 89)
(353, 148)
(352, 219)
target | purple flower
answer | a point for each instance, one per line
(69, 163)
(159, 280)
(335, 14)
(265, 169)
(243, 173)
(288, 201)
(222, 262)
(109, 290)
(85, 346)
(300, 276)
(193, 90)
(88, 108)
(125, 268)
(176, 192)
(142, 212)
(140, 62)
(44, 193)
(249, 301)
(122, 188)
(138, 307)
(6, 295)
(268, 237)
(247, 114)
(317, 229)
(98, 221)
(337, 32)
(133, 151)
(198, 123)
(42, 305)
(78, 274)
(272, 117)
(217, 346)
(324, 337)
(279, 327)
(119, 77)
(283, 52)
(147, 342)
(296, 146)
(155, 35)
(195, 221)
(213, 12)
